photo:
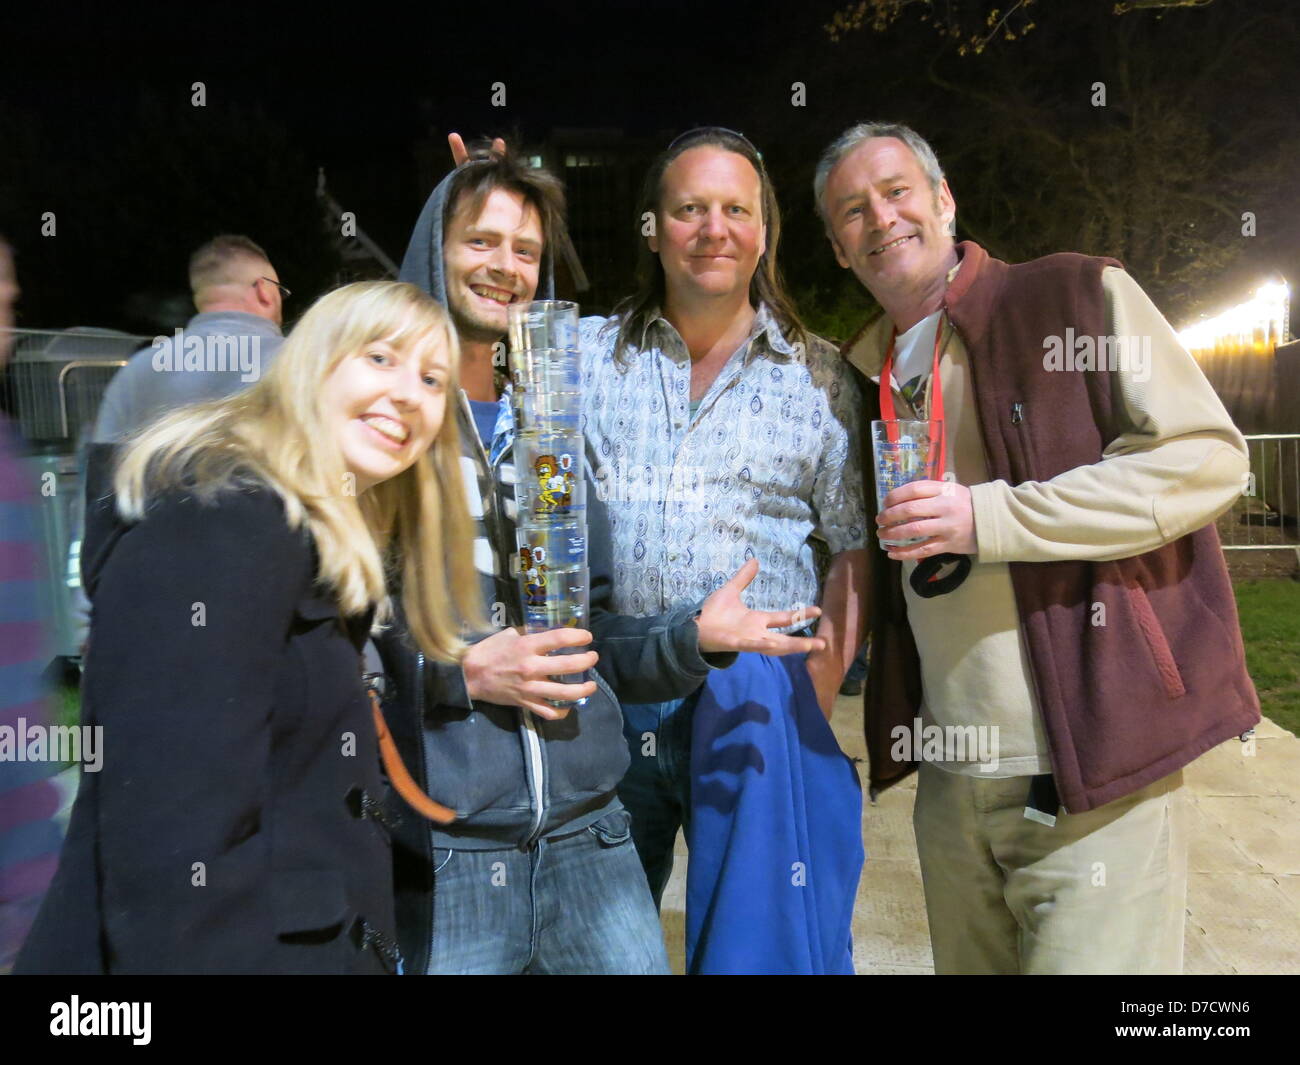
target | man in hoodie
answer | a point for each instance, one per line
(538, 872)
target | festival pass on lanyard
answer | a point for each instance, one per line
(937, 574)
(935, 413)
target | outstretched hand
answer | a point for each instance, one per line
(726, 624)
(460, 154)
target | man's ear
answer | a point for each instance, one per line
(947, 205)
(840, 257)
(762, 241)
(261, 299)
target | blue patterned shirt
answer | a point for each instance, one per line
(769, 460)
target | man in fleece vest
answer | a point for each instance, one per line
(1052, 693)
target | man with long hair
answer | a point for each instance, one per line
(537, 873)
(725, 432)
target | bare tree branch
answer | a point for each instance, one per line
(1124, 7)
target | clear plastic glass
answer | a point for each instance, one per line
(550, 484)
(904, 451)
(543, 324)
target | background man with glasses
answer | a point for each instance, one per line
(238, 295)
(240, 304)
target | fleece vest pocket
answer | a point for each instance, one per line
(1161, 654)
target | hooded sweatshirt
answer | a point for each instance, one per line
(513, 777)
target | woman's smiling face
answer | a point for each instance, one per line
(385, 404)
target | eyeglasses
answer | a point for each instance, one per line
(284, 289)
(715, 129)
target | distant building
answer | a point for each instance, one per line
(360, 258)
(602, 171)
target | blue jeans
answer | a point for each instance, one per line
(657, 787)
(575, 904)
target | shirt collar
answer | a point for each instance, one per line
(503, 432)
(768, 330)
(764, 332)
(867, 349)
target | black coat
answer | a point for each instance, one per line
(231, 827)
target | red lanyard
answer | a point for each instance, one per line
(936, 391)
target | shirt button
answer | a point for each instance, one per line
(672, 558)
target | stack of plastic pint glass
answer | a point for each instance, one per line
(550, 490)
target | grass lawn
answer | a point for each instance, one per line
(1270, 627)
(67, 704)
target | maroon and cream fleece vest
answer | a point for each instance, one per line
(1164, 679)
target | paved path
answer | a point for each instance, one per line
(1243, 904)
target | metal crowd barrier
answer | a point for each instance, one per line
(1267, 516)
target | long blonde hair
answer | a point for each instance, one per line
(275, 433)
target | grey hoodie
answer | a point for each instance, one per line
(423, 264)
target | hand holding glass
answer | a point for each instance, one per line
(904, 451)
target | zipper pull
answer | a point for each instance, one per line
(1017, 413)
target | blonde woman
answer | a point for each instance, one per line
(235, 823)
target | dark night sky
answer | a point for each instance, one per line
(355, 89)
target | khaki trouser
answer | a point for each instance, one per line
(1101, 892)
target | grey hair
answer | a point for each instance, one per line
(865, 131)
